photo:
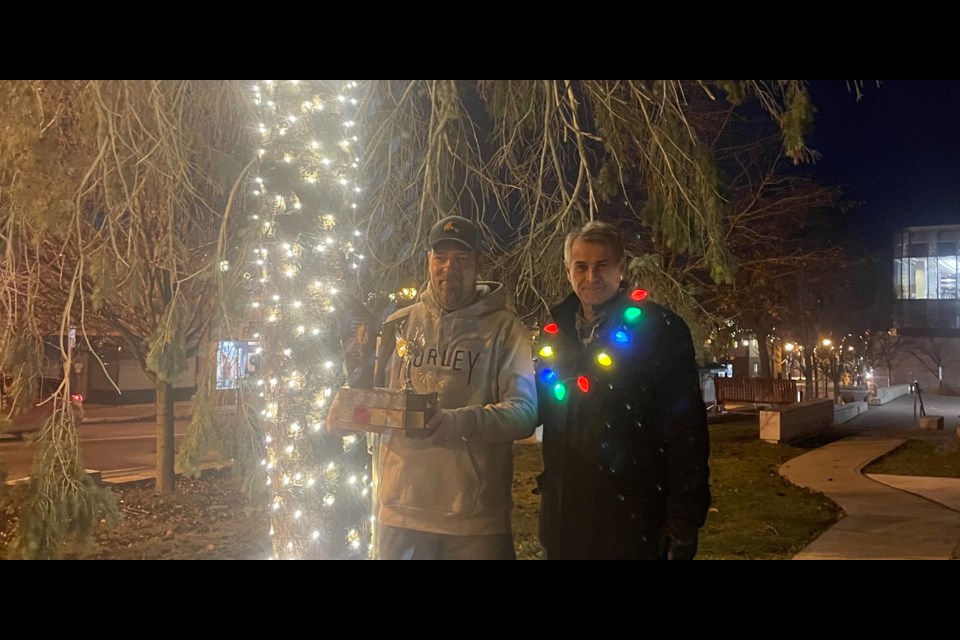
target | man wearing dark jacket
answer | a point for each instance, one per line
(625, 441)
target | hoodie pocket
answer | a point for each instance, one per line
(443, 480)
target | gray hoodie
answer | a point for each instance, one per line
(479, 361)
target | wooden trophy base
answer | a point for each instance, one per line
(381, 410)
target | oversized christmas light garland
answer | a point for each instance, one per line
(307, 186)
(621, 338)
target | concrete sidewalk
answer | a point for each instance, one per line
(96, 414)
(886, 517)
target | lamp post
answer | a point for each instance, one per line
(788, 347)
(827, 359)
(805, 372)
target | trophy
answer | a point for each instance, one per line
(408, 351)
(380, 410)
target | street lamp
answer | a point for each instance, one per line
(831, 362)
(788, 359)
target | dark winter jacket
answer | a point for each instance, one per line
(625, 441)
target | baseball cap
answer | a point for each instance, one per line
(456, 229)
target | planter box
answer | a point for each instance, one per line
(931, 423)
(794, 421)
(846, 412)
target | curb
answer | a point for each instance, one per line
(116, 419)
(149, 474)
(142, 418)
(138, 474)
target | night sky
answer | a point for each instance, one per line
(896, 152)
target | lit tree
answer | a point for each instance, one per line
(307, 185)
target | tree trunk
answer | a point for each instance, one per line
(764, 354)
(810, 376)
(166, 455)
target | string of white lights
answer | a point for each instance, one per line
(307, 189)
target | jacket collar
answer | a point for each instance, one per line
(565, 313)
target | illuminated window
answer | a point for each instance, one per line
(235, 360)
(947, 278)
(918, 278)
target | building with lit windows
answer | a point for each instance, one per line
(927, 307)
(925, 281)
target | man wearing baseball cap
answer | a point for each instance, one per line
(448, 496)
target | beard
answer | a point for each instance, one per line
(454, 294)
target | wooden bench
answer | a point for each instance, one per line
(755, 391)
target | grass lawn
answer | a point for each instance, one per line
(939, 459)
(756, 514)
